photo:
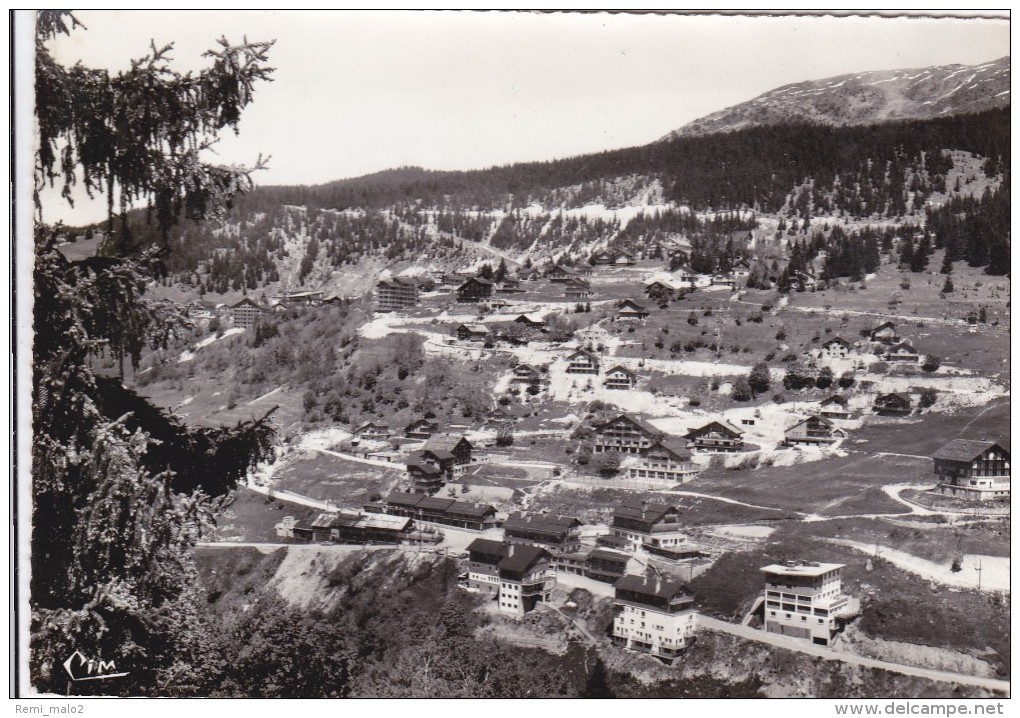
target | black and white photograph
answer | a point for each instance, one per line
(420, 354)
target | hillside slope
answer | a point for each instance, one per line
(868, 97)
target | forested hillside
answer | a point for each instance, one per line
(950, 174)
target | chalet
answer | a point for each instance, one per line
(716, 436)
(740, 270)
(805, 600)
(609, 566)
(802, 281)
(508, 286)
(582, 362)
(603, 259)
(813, 431)
(976, 470)
(626, 435)
(629, 309)
(473, 332)
(835, 407)
(302, 299)
(556, 273)
(474, 289)
(654, 616)
(526, 374)
(561, 533)
(657, 291)
(421, 429)
(884, 333)
(666, 460)
(620, 377)
(441, 447)
(392, 295)
(837, 348)
(684, 275)
(432, 509)
(532, 321)
(902, 352)
(427, 476)
(892, 405)
(246, 313)
(644, 524)
(373, 432)
(498, 417)
(723, 280)
(576, 289)
(525, 578)
(623, 260)
(526, 274)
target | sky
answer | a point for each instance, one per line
(359, 92)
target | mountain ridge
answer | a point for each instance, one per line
(866, 98)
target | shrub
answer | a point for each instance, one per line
(931, 363)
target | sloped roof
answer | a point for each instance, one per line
(634, 305)
(247, 301)
(398, 498)
(903, 345)
(624, 369)
(643, 511)
(837, 340)
(666, 588)
(727, 426)
(474, 328)
(552, 526)
(487, 546)
(609, 555)
(443, 442)
(883, 325)
(834, 399)
(816, 419)
(965, 449)
(521, 557)
(677, 447)
(324, 521)
(640, 423)
(584, 353)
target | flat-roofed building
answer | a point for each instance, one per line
(805, 599)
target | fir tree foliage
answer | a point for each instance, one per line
(119, 491)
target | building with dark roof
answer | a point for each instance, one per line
(837, 348)
(884, 333)
(812, 431)
(654, 616)
(395, 294)
(432, 509)
(348, 527)
(472, 332)
(421, 429)
(246, 313)
(648, 524)
(629, 309)
(902, 352)
(517, 575)
(835, 407)
(582, 362)
(666, 460)
(475, 289)
(716, 436)
(561, 533)
(625, 434)
(976, 470)
(608, 565)
(620, 377)
(895, 404)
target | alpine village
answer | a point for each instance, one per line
(724, 415)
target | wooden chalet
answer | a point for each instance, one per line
(562, 533)
(509, 286)
(902, 352)
(835, 407)
(576, 289)
(666, 460)
(533, 321)
(609, 566)
(884, 333)
(373, 431)
(716, 436)
(740, 269)
(557, 273)
(582, 362)
(526, 374)
(472, 332)
(813, 431)
(641, 524)
(626, 434)
(421, 429)
(895, 404)
(603, 259)
(475, 289)
(629, 309)
(433, 509)
(837, 348)
(723, 280)
(975, 470)
(620, 377)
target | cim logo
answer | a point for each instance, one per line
(81, 668)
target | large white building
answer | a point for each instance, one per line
(805, 599)
(653, 615)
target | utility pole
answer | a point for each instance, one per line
(978, 569)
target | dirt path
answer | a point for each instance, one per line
(794, 644)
